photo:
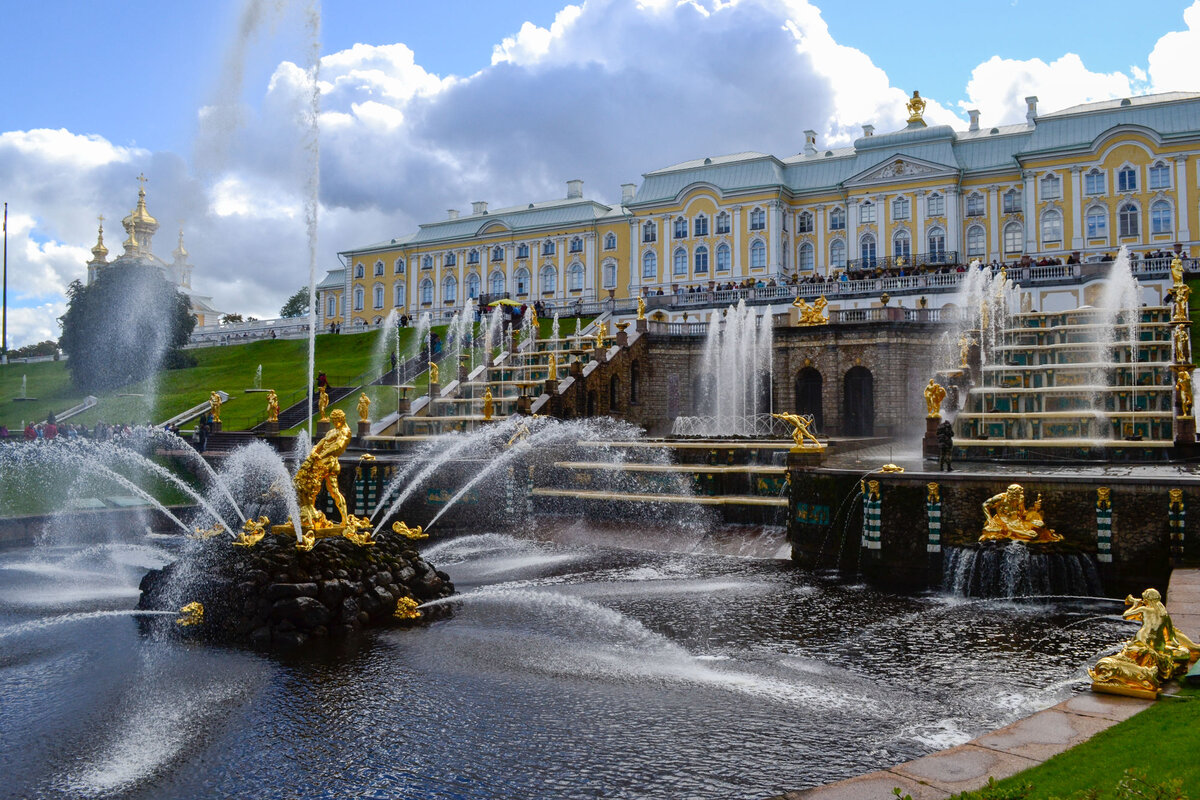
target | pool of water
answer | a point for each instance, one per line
(577, 663)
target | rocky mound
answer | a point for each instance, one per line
(273, 596)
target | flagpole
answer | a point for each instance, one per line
(4, 313)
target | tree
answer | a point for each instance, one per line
(46, 348)
(121, 328)
(229, 318)
(296, 305)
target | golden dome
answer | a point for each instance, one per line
(100, 252)
(140, 216)
(180, 253)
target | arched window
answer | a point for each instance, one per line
(975, 205)
(935, 205)
(804, 222)
(1012, 201)
(936, 245)
(1160, 176)
(377, 294)
(426, 291)
(1126, 180)
(724, 262)
(449, 289)
(427, 262)
(900, 208)
(521, 281)
(548, 278)
(358, 298)
(976, 241)
(1097, 222)
(866, 251)
(378, 268)
(614, 393)
(575, 277)
(902, 246)
(610, 241)
(1012, 238)
(700, 226)
(576, 245)
(398, 295)
(1127, 220)
(472, 256)
(473, 286)
(679, 262)
(837, 254)
(522, 250)
(331, 307)
(1051, 187)
(1052, 227)
(1093, 182)
(681, 228)
(451, 259)
(548, 247)
(649, 265)
(700, 260)
(497, 253)
(649, 232)
(806, 260)
(609, 274)
(1161, 218)
(635, 379)
(758, 220)
(723, 222)
(399, 266)
(359, 271)
(837, 219)
(496, 283)
(758, 254)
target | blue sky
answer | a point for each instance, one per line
(430, 106)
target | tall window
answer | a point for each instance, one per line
(378, 268)
(723, 222)
(975, 205)
(935, 206)
(610, 275)
(975, 241)
(472, 256)
(398, 295)
(497, 254)
(680, 229)
(548, 247)
(1052, 227)
(866, 251)
(758, 220)
(521, 281)
(679, 262)
(937, 245)
(576, 245)
(1126, 180)
(866, 212)
(1097, 222)
(426, 291)
(1012, 201)
(805, 260)
(804, 223)
(1127, 220)
(497, 283)
(1012, 237)
(700, 226)
(902, 246)
(649, 265)
(1051, 187)
(610, 241)
(900, 208)
(575, 277)
(724, 262)
(758, 254)
(359, 270)
(837, 219)
(522, 251)
(548, 278)
(701, 260)
(331, 307)
(473, 286)
(837, 254)
(649, 232)
(1160, 176)
(1161, 218)
(1093, 182)
(399, 266)
(450, 289)
(377, 294)
(358, 298)
(452, 259)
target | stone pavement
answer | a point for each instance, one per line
(1023, 744)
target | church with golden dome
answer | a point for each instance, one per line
(140, 228)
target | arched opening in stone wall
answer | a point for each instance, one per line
(635, 378)
(591, 403)
(614, 394)
(858, 398)
(808, 395)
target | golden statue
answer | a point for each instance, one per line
(935, 393)
(801, 435)
(934, 493)
(202, 533)
(552, 368)
(1156, 654)
(1103, 497)
(252, 532)
(641, 308)
(191, 614)
(323, 403)
(1179, 297)
(1183, 387)
(322, 466)
(522, 433)
(1008, 519)
(916, 107)
(534, 325)
(1182, 339)
(401, 529)
(601, 334)
(364, 408)
(964, 350)
(1177, 271)
(214, 406)
(406, 608)
(272, 406)
(814, 314)
(489, 405)
(433, 373)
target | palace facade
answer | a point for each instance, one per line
(1073, 184)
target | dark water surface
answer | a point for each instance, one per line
(570, 668)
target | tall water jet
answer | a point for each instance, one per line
(313, 186)
(735, 369)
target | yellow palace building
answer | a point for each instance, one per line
(1071, 184)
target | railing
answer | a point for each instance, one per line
(934, 259)
(758, 425)
(677, 328)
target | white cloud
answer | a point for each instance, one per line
(1175, 59)
(999, 86)
(36, 323)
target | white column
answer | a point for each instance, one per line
(635, 263)
(1182, 234)
(665, 245)
(851, 231)
(589, 262)
(774, 234)
(738, 268)
(918, 215)
(1076, 208)
(1029, 201)
(510, 255)
(820, 257)
(561, 250)
(953, 225)
(993, 212)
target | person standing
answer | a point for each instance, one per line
(945, 439)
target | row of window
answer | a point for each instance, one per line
(548, 277)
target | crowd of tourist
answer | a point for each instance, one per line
(50, 431)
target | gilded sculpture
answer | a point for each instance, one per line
(364, 408)
(964, 350)
(814, 314)
(1177, 271)
(1183, 387)
(935, 393)
(214, 406)
(1182, 345)
(1179, 301)
(916, 107)
(433, 373)
(552, 368)
(802, 436)
(1157, 653)
(933, 493)
(601, 334)
(489, 404)
(252, 532)
(323, 403)
(1009, 520)
(406, 608)
(641, 308)
(191, 614)
(272, 406)
(322, 467)
(400, 529)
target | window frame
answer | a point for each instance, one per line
(1052, 220)
(1127, 179)
(1128, 223)
(723, 224)
(1159, 209)
(1095, 181)
(724, 257)
(1014, 232)
(976, 233)
(679, 228)
(650, 265)
(867, 213)
(679, 262)
(901, 208)
(975, 205)
(700, 261)
(758, 219)
(700, 225)
(935, 205)
(805, 222)
(837, 257)
(758, 253)
(837, 219)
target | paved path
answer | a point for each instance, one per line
(1023, 744)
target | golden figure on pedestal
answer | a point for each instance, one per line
(191, 614)
(802, 436)
(1156, 654)
(1177, 270)
(641, 308)
(1179, 303)
(964, 350)
(406, 608)
(1181, 340)
(916, 107)
(401, 529)
(935, 393)
(433, 373)
(214, 406)
(601, 334)
(1183, 387)
(814, 314)
(489, 404)
(364, 408)
(323, 403)
(322, 467)
(1008, 519)
(552, 368)
(272, 406)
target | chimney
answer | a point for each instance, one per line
(974, 115)
(810, 143)
(479, 207)
(868, 130)
(627, 191)
(1031, 109)
(574, 189)
(451, 213)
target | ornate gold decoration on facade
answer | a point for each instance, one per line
(272, 406)
(214, 406)
(406, 608)
(814, 314)
(1102, 497)
(191, 614)
(934, 493)
(802, 436)
(1008, 519)
(935, 393)
(1156, 654)
(916, 107)
(415, 533)
(1175, 499)
(364, 408)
